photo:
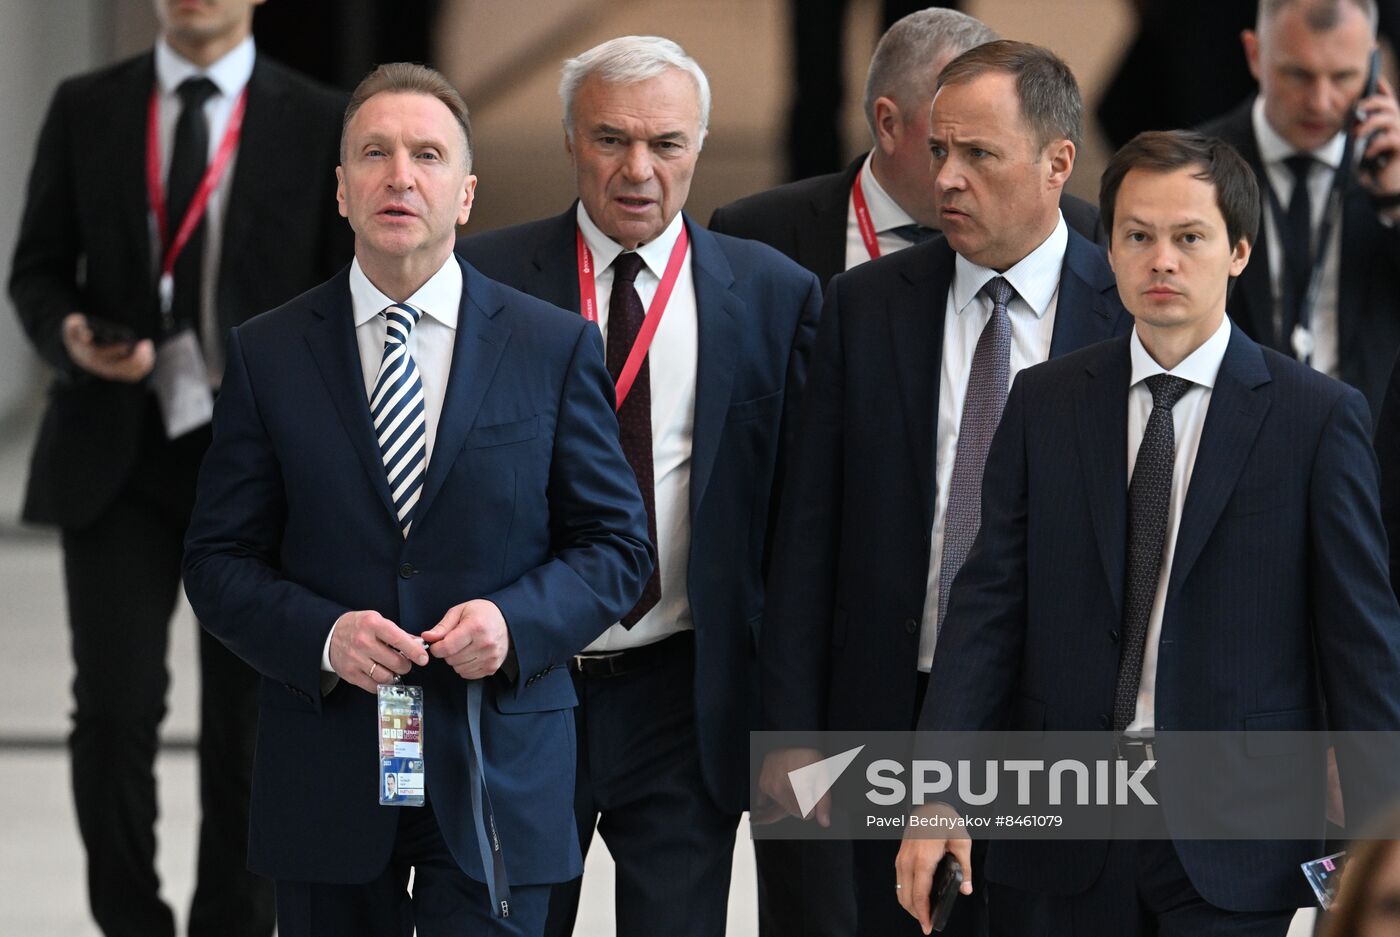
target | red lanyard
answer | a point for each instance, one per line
(155, 189)
(588, 295)
(867, 227)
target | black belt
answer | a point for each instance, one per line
(1135, 750)
(617, 663)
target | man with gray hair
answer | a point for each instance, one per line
(1323, 285)
(883, 201)
(706, 340)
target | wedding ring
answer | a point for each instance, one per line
(372, 666)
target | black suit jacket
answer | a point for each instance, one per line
(850, 570)
(84, 246)
(757, 317)
(807, 219)
(1278, 614)
(1368, 304)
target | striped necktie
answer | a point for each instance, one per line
(397, 409)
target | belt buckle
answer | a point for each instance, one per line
(1142, 746)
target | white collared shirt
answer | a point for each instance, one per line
(429, 342)
(230, 75)
(1201, 368)
(885, 215)
(1273, 150)
(672, 360)
(1036, 279)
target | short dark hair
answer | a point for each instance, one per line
(1050, 102)
(1321, 15)
(1215, 161)
(409, 78)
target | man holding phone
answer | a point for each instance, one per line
(1323, 286)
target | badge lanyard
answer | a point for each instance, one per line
(867, 227)
(199, 202)
(588, 296)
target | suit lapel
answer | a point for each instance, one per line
(476, 353)
(1236, 412)
(332, 342)
(1252, 297)
(1103, 448)
(126, 109)
(916, 311)
(1082, 310)
(718, 312)
(822, 237)
(556, 272)
(265, 122)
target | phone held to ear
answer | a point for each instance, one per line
(1375, 164)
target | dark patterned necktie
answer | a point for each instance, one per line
(1149, 497)
(987, 385)
(914, 233)
(1297, 243)
(188, 160)
(625, 317)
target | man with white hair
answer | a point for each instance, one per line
(883, 201)
(706, 340)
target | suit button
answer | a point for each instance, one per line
(1104, 721)
(406, 571)
(911, 626)
(1113, 636)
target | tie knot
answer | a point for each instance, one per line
(627, 265)
(1167, 389)
(914, 233)
(401, 318)
(1300, 164)
(999, 291)
(195, 91)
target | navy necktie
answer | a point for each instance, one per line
(188, 160)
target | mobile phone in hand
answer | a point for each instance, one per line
(947, 879)
(109, 333)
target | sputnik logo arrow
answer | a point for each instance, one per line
(811, 783)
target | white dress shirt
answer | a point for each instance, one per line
(430, 343)
(885, 215)
(230, 75)
(1188, 418)
(1273, 150)
(1036, 279)
(672, 359)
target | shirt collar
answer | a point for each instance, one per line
(230, 73)
(1274, 149)
(885, 212)
(1202, 366)
(440, 297)
(1035, 277)
(654, 253)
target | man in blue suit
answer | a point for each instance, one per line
(1181, 531)
(707, 338)
(914, 357)
(414, 476)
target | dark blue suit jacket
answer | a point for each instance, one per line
(757, 315)
(528, 502)
(840, 643)
(1279, 613)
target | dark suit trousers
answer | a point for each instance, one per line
(639, 783)
(1143, 890)
(445, 902)
(121, 575)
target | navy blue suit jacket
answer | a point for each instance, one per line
(1279, 613)
(846, 598)
(528, 502)
(757, 315)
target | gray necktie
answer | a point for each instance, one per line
(987, 385)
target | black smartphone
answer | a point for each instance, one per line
(947, 879)
(109, 333)
(1373, 74)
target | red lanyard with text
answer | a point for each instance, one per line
(155, 191)
(588, 296)
(867, 227)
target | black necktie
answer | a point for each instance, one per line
(1297, 242)
(914, 233)
(1149, 498)
(625, 317)
(188, 161)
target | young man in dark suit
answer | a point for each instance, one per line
(415, 476)
(668, 695)
(105, 469)
(1180, 532)
(819, 222)
(913, 360)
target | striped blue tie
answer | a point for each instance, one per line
(397, 409)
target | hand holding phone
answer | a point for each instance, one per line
(947, 879)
